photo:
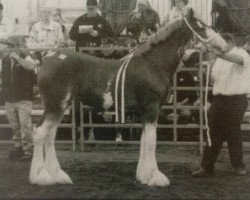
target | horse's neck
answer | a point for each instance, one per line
(166, 56)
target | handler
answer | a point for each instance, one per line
(231, 78)
(18, 77)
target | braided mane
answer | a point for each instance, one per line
(162, 35)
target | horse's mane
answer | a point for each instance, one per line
(162, 35)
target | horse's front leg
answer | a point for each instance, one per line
(51, 162)
(38, 173)
(147, 170)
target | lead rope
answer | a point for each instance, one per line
(206, 106)
(122, 71)
(207, 81)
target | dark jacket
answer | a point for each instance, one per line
(17, 84)
(84, 39)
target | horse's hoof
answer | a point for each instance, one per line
(118, 140)
(153, 178)
(42, 177)
(62, 178)
(158, 179)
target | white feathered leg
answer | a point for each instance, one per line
(147, 170)
(51, 162)
(38, 173)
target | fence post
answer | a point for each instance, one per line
(201, 101)
(175, 107)
(73, 121)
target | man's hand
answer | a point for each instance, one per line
(215, 51)
(14, 55)
(94, 33)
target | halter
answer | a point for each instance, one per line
(206, 41)
(121, 75)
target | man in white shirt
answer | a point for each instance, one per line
(6, 25)
(231, 84)
(45, 33)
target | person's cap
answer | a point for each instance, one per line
(1, 6)
(91, 3)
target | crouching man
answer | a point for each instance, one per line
(18, 77)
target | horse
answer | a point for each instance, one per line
(65, 75)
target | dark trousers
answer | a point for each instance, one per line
(224, 120)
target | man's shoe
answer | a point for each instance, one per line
(240, 172)
(202, 173)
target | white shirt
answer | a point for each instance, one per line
(42, 36)
(231, 78)
(6, 28)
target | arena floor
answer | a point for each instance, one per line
(108, 172)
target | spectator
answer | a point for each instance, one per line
(149, 17)
(247, 44)
(46, 33)
(180, 9)
(231, 79)
(57, 17)
(142, 22)
(116, 11)
(90, 28)
(6, 25)
(18, 77)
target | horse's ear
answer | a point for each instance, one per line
(190, 14)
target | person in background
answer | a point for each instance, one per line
(149, 17)
(6, 25)
(116, 11)
(57, 17)
(231, 84)
(180, 9)
(18, 77)
(142, 22)
(247, 44)
(45, 33)
(89, 29)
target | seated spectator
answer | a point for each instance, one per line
(180, 9)
(90, 28)
(18, 77)
(45, 33)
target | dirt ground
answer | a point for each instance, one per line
(108, 172)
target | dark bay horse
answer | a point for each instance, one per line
(66, 75)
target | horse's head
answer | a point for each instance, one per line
(204, 33)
